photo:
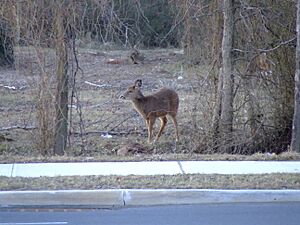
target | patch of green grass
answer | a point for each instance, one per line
(3, 147)
(15, 98)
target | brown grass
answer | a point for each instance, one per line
(265, 181)
(287, 156)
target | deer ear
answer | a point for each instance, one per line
(138, 83)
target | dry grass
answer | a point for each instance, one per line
(286, 156)
(266, 181)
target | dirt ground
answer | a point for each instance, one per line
(110, 125)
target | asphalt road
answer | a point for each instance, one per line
(204, 214)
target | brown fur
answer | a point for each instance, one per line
(136, 57)
(157, 105)
(261, 62)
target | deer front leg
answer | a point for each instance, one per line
(150, 122)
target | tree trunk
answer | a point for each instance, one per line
(6, 45)
(17, 34)
(227, 73)
(295, 143)
(217, 113)
(217, 24)
(61, 126)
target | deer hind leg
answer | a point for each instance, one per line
(163, 122)
(173, 117)
(150, 122)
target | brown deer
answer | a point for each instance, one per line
(157, 105)
(136, 57)
(262, 63)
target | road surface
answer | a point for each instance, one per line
(204, 214)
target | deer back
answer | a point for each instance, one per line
(161, 103)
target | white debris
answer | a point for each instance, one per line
(97, 85)
(8, 87)
(106, 135)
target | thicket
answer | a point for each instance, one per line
(264, 69)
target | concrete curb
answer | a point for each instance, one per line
(139, 197)
(61, 198)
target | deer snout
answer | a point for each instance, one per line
(122, 97)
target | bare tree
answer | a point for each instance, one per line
(61, 126)
(295, 144)
(6, 44)
(227, 73)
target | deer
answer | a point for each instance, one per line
(260, 63)
(163, 103)
(136, 57)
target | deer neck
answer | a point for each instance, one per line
(140, 105)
